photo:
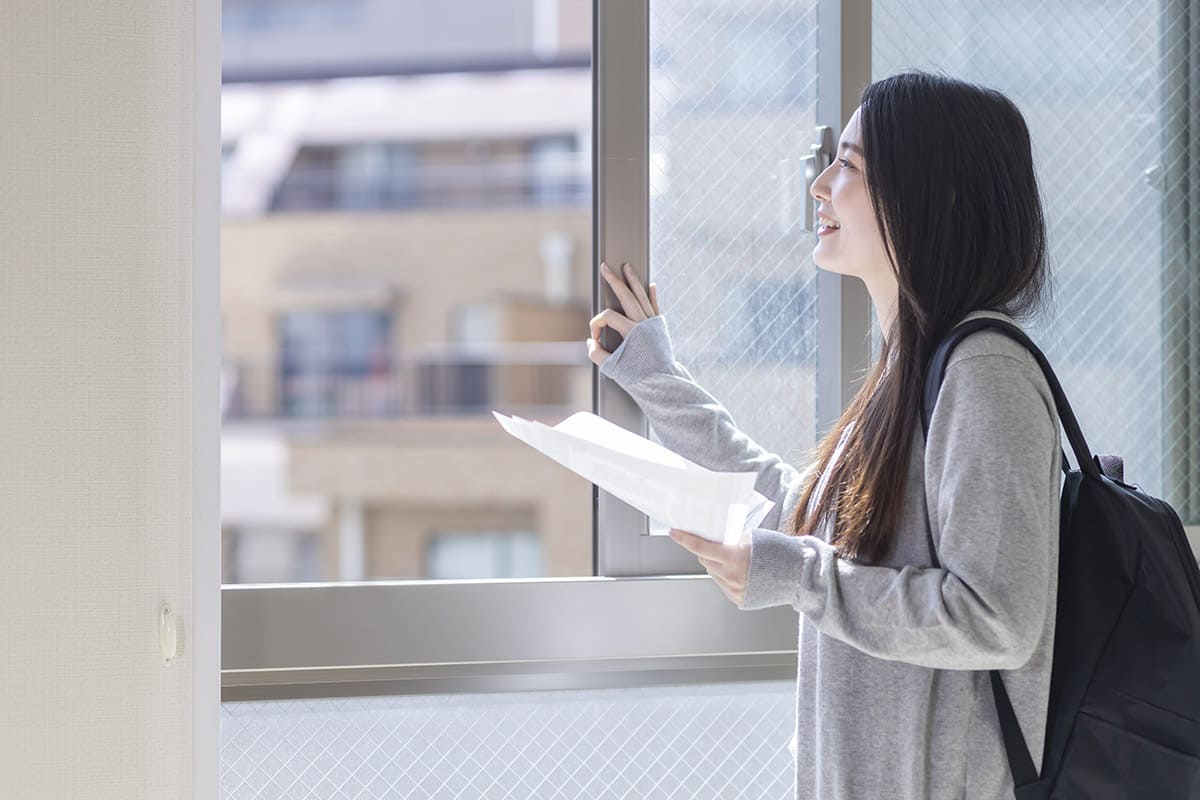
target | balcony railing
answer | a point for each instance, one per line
(446, 379)
(504, 182)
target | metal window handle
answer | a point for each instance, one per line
(793, 191)
(1154, 176)
(820, 156)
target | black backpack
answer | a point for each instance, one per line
(1124, 711)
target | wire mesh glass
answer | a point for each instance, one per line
(718, 741)
(733, 90)
(1103, 88)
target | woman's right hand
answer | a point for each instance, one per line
(637, 305)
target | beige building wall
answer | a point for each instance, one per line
(424, 266)
(413, 477)
(415, 474)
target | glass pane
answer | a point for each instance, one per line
(1093, 88)
(733, 92)
(406, 246)
(703, 742)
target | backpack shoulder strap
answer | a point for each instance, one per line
(936, 371)
(1024, 772)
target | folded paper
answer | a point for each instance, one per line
(720, 506)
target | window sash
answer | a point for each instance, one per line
(635, 625)
(621, 226)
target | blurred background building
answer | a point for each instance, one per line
(406, 245)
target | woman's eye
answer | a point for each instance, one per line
(845, 162)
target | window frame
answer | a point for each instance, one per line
(633, 622)
(621, 228)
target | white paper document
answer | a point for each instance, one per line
(719, 506)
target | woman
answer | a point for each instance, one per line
(932, 202)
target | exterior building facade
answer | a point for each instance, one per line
(406, 246)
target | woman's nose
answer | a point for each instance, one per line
(817, 188)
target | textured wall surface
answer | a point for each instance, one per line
(96, 396)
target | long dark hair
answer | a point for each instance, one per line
(949, 172)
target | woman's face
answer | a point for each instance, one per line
(857, 247)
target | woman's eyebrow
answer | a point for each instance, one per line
(851, 146)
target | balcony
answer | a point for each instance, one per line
(328, 179)
(530, 379)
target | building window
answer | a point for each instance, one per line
(476, 173)
(337, 364)
(557, 179)
(351, 177)
(269, 554)
(483, 554)
(266, 16)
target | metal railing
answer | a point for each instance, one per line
(442, 379)
(520, 182)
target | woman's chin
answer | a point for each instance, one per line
(823, 261)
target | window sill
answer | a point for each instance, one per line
(319, 640)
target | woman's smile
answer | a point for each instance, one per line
(827, 225)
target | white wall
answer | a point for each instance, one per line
(109, 345)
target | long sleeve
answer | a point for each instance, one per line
(991, 478)
(692, 422)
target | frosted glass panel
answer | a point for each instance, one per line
(696, 742)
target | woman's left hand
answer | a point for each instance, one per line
(728, 564)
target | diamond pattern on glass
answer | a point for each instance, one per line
(732, 109)
(714, 741)
(1096, 94)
